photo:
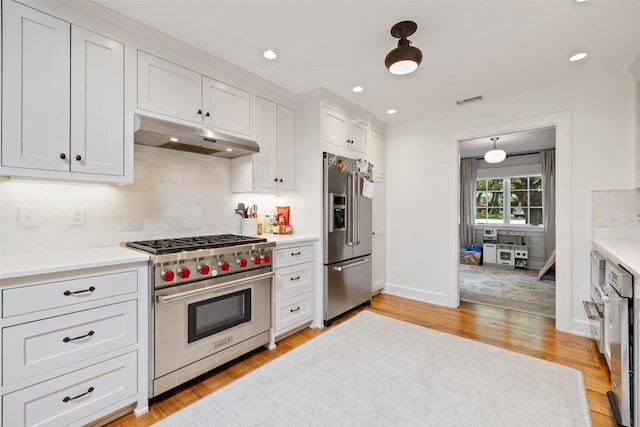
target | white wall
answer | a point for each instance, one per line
(421, 255)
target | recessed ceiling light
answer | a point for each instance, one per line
(173, 139)
(357, 89)
(578, 57)
(229, 149)
(391, 111)
(580, 1)
(269, 54)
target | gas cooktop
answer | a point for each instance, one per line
(181, 244)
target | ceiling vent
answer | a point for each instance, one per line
(470, 100)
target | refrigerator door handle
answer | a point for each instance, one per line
(349, 221)
(355, 264)
(356, 204)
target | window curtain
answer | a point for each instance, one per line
(467, 201)
(548, 164)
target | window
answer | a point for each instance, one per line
(513, 200)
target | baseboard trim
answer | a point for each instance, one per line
(416, 294)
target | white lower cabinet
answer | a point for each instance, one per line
(294, 288)
(68, 399)
(74, 345)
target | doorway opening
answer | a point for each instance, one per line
(507, 229)
(562, 124)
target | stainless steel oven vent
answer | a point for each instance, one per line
(470, 100)
(193, 139)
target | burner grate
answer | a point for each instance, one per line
(167, 246)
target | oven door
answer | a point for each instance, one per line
(197, 320)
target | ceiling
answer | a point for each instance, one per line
(495, 49)
(512, 143)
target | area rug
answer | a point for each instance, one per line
(373, 370)
(518, 290)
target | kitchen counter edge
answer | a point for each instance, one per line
(289, 239)
(24, 265)
(625, 252)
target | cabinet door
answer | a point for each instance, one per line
(378, 243)
(226, 107)
(35, 85)
(286, 148)
(265, 162)
(358, 136)
(97, 104)
(167, 88)
(335, 127)
(377, 152)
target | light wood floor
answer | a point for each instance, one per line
(527, 334)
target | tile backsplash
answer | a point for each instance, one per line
(615, 214)
(174, 194)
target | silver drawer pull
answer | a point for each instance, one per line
(293, 310)
(296, 253)
(84, 291)
(89, 334)
(69, 399)
(294, 278)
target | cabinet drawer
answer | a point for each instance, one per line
(294, 279)
(44, 296)
(69, 398)
(294, 255)
(294, 311)
(37, 347)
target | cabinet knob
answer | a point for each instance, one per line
(207, 115)
(63, 156)
(275, 179)
(200, 112)
(280, 179)
(78, 157)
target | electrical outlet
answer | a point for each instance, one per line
(76, 216)
(27, 216)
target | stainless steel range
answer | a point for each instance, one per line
(211, 303)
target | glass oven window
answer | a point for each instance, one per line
(215, 315)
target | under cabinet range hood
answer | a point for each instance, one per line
(175, 136)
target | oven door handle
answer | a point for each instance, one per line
(165, 299)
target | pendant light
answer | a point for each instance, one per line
(405, 58)
(495, 155)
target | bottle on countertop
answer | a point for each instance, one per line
(266, 225)
(281, 225)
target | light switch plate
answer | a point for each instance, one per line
(27, 216)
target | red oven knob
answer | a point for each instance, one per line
(266, 258)
(184, 272)
(204, 269)
(224, 266)
(167, 275)
(242, 262)
(256, 260)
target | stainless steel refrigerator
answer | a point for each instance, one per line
(347, 235)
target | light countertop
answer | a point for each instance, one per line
(12, 266)
(625, 252)
(286, 239)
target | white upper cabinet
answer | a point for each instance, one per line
(345, 132)
(169, 89)
(35, 84)
(176, 91)
(226, 107)
(97, 103)
(377, 152)
(63, 99)
(274, 167)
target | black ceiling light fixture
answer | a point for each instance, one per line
(405, 58)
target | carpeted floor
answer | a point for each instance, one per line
(373, 370)
(518, 290)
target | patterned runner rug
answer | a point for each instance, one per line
(518, 290)
(373, 370)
